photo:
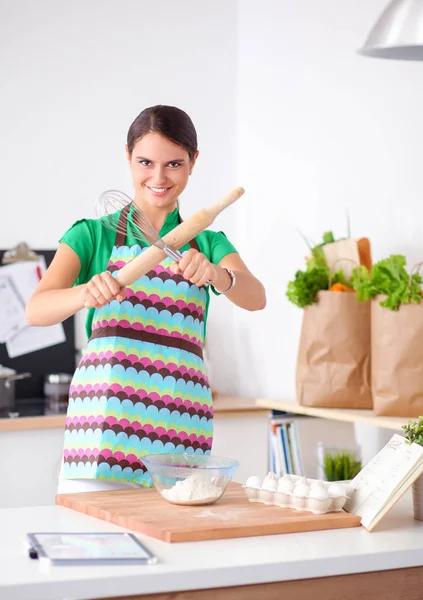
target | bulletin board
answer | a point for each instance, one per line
(59, 358)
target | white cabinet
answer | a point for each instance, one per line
(30, 458)
(29, 466)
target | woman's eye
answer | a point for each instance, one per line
(174, 164)
(145, 163)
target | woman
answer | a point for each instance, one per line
(141, 386)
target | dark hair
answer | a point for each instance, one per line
(169, 121)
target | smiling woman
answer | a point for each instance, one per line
(141, 386)
(161, 150)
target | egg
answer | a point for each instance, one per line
(336, 490)
(318, 492)
(269, 485)
(317, 483)
(285, 485)
(301, 490)
(253, 482)
(271, 477)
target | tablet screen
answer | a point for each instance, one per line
(89, 546)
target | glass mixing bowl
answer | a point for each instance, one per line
(190, 478)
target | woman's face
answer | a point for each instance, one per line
(160, 170)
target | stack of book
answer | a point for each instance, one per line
(284, 447)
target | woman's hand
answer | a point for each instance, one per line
(101, 290)
(195, 267)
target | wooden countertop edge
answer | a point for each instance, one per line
(225, 407)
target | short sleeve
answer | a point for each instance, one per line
(80, 239)
(220, 247)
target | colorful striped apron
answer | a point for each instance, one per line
(141, 386)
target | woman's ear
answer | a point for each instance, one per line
(128, 155)
(193, 160)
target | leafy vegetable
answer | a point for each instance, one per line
(303, 290)
(328, 237)
(390, 278)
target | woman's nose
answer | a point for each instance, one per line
(159, 176)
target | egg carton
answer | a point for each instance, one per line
(299, 493)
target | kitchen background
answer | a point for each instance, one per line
(283, 106)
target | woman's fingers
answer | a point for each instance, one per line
(195, 267)
(101, 290)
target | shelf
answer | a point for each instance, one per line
(366, 417)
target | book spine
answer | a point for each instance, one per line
(284, 437)
(297, 450)
(291, 449)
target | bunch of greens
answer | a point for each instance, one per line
(340, 466)
(414, 431)
(303, 290)
(390, 278)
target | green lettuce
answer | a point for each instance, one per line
(388, 277)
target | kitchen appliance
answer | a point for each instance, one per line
(7, 389)
(56, 392)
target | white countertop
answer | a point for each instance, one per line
(396, 543)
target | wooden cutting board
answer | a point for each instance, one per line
(233, 516)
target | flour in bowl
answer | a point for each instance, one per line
(195, 488)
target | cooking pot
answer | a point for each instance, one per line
(7, 387)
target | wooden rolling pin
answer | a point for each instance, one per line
(178, 237)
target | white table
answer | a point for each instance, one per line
(290, 559)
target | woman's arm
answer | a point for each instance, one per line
(55, 299)
(247, 292)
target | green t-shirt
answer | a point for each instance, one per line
(93, 243)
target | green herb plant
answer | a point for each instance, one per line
(388, 277)
(303, 290)
(414, 431)
(340, 465)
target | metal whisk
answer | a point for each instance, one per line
(108, 208)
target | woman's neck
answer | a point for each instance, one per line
(154, 214)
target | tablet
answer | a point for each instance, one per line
(88, 548)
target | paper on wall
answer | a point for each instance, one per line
(12, 310)
(25, 278)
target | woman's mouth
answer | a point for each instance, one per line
(158, 191)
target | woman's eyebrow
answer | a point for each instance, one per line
(179, 160)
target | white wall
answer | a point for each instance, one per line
(73, 77)
(320, 129)
(283, 106)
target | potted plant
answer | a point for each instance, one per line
(413, 432)
(340, 465)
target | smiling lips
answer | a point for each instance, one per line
(158, 191)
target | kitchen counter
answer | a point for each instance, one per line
(227, 406)
(224, 407)
(301, 563)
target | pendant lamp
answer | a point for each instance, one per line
(398, 33)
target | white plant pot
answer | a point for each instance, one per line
(418, 498)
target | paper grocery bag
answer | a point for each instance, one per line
(397, 359)
(333, 366)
